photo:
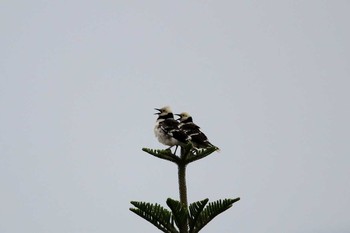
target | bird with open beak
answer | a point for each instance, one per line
(167, 129)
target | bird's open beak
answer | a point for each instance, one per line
(179, 115)
(157, 113)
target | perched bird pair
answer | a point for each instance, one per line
(171, 132)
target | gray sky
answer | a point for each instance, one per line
(268, 82)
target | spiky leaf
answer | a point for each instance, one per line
(155, 214)
(194, 211)
(211, 211)
(201, 153)
(162, 154)
(179, 211)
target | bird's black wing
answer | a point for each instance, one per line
(169, 124)
(171, 127)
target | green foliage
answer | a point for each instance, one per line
(195, 209)
(195, 217)
(188, 154)
(155, 214)
(211, 211)
(180, 218)
(162, 154)
(179, 212)
(201, 153)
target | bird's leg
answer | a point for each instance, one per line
(175, 149)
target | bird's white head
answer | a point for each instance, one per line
(184, 116)
(163, 111)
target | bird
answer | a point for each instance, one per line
(167, 129)
(198, 138)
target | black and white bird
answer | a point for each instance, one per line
(198, 138)
(167, 129)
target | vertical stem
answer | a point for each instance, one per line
(182, 187)
(182, 184)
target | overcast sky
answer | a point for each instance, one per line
(268, 82)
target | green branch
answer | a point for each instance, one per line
(155, 214)
(187, 219)
(200, 154)
(163, 154)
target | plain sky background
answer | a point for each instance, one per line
(268, 82)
